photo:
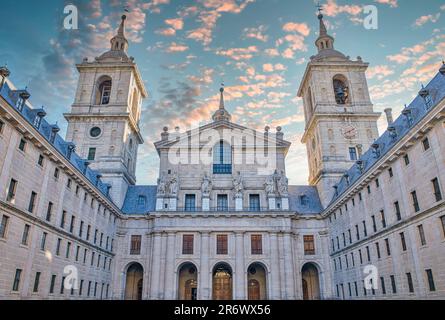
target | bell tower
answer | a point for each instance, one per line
(340, 121)
(104, 119)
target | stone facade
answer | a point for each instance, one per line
(222, 221)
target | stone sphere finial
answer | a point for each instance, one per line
(165, 129)
(279, 128)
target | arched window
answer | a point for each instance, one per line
(103, 93)
(222, 158)
(341, 89)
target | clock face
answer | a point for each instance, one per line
(349, 132)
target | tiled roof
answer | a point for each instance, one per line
(411, 115)
(304, 200)
(134, 205)
(28, 113)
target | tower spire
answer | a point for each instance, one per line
(119, 42)
(221, 98)
(221, 114)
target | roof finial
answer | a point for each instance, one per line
(221, 99)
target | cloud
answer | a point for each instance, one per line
(268, 67)
(176, 47)
(391, 3)
(425, 19)
(256, 33)
(167, 32)
(379, 72)
(238, 54)
(301, 28)
(176, 24)
(272, 52)
(332, 9)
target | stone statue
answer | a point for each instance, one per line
(283, 183)
(269, 185)
(173, 186)
(206, 186)
(238, 186)
(162, 185)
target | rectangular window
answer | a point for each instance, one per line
(256, 243)
(429, 274)
(4, 226)
(436, 188)
(388, 248)
(93, 254)
(357, 232)
(187, 244)
(368, 253)
(309, 245)
(56, 173)
(221, 244)
(59, 242)
(52, 284)
(402, 240)
(406, 159)
(377, 249)
(352, 153)
(22, 145)
(73, 219)
(393, 284)
(89, 289)
(32, 202)
(88, 232)
(377, 183)
(365, 232)
(95, 236)
(68, 183)
(374, 225)
(409, 279)
(222, 202)
(190, 202)
(426, 144)
(442, 220)
(77, 253)
(49, 211)
(382, 282)
(80, 287)
(415, 201)
(62, 285)
(360, 256)
(382, 215)
(36, 282)
(421, 235)
(391, 173)
(11, 191)
(369, 189)
(91, 154)
(16, 283)
(2, 126)
(81, 229)
(135, 246)
(43, 241)
(25, 235)
(68, 249)
(85, 252)
(254, 202)
(40, 160)
(397, 208)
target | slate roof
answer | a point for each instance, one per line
(132, 205)
(411, 115)
(11, 95)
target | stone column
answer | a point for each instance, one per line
(170, 272)
(204, 272)
(240, 273)
(289, 267)
(274, 284)
(156, 266)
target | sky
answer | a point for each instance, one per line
(185, 50)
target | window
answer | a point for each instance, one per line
(190, 202)
(256, 243)
(91, 154)
(426, 144)
(415, 201)
(43, 241)
(221, 244)
(80, 287)
(365, 232)
(62, 285)
(382, 214)
(40, 161)
(2, 125)
(135, 246)
(56, 173)
(374, 225)
(11, 191)
(187, 244)
(360, 196)
(436, 188)
(406, 159)
(368, 253)
(377, 183)
(4, 226)
(397, 208)
(68, 183)
(141, 201)
(391, 174)
(105, 92)
(89, 288)
(95, 132)
(62, 221)
(77, 253)
(16, 283)
(402, 240)
(32, 202)
(369, 189)
(222, 202)
(353, 153)
(341, 89)
(25, 234)
(409, 279)
(81, 229)
(382, 282)
(92, 257)
(22, 145)
(254, 202)
(222, 158)
(88, 232)
(429, 274)
(421, 235)
(59, 242)
(68, 250)
(388, 248)
(357, 232)
(442, 220)
(360, 256)
(36, 282)
(95, 236)
(393, 284)
(309, 245)
(52, 284)
(49, 211)
(73, 219)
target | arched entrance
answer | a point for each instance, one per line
(310, 282)
(256, 282)
(134, 282)
(187, 282)
(222, 282)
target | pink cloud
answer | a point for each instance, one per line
(238, 54)
(301, 28)
(391, 3)
(256, 33)
(176, 24)
(379, 72)
(175, 47)
(427, 18)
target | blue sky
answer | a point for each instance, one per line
(185, 49)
